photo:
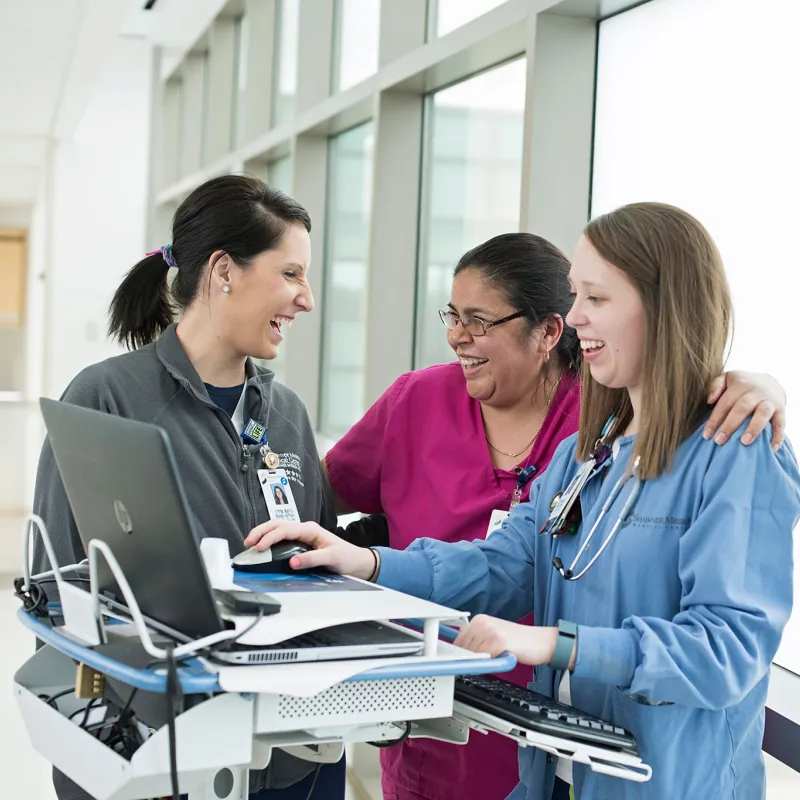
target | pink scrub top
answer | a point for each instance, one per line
(419, 456)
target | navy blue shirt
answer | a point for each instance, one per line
(225, 397)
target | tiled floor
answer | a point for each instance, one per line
(24, 775)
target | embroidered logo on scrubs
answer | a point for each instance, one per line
(293, 466)
(657, 522)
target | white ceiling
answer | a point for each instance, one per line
(37, 43)
(51, 53)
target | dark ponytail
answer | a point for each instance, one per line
(237, 214)
(141, 308)
(532, 274)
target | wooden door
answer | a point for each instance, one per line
(12, 278)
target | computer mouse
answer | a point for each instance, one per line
(273, 559)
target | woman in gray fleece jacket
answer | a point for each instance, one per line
(240, 256)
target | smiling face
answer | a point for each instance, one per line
(264, 297)
(652, 309)
(503, 366)
(609, 317)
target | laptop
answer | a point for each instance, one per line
(124, 489)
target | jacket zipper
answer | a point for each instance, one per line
(244, 465)
(244, 470)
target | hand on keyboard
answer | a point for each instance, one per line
(531, 645)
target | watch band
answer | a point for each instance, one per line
(567, 635)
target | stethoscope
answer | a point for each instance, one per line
(569, 573)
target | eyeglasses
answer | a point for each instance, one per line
(472, 325)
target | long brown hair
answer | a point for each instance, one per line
(674, 265)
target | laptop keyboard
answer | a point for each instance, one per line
(349, 635)
(536, 712)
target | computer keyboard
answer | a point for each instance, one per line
(536, 712)
(346, 635)
(351, 633)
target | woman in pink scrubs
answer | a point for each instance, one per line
(446, 451)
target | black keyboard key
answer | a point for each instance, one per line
(536, 712)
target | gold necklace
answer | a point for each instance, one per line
(547, 409)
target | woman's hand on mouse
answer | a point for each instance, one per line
(329, 550)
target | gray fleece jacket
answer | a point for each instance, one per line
(158, 384)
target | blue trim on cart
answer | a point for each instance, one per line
(196, 680)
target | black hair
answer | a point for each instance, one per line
(237, 214)
(532, 274)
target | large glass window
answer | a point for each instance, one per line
(684, 118)
(239, 108)
(279, 174)
(205, 105)
(447, 15)
(347, 245)
(287, 14)
(357, 35)
(472, 177)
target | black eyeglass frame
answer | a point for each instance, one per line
(445, 314)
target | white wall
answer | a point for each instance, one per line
(35, 323)
(97, 226)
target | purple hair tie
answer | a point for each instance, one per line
(166, 254)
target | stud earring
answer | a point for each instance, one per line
(226, 288)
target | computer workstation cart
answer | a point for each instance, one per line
(235, 716)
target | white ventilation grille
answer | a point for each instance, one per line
(362, 697)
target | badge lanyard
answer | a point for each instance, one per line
(568, 572)
(565, 507)
(565, 515)
(498, 515)
(256, 433)
(523, 477)
(274, 482)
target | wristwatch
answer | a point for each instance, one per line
(567, 636)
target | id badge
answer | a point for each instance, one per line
(278, 494)
(564, 502)
(498, 518)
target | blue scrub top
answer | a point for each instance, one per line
(678, 620)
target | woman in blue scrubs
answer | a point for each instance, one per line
(662, 594)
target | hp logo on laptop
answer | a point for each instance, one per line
(123, 517)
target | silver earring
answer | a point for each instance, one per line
(226, 288)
